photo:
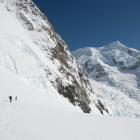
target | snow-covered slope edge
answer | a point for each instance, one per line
(114, 73)
(30, 48)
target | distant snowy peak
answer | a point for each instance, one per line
(121, 55)
(121, 46)
(114, 72)
(116, 44)
(115, 53)
(89, 51)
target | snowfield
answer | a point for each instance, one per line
(37, 68)
(38, 115)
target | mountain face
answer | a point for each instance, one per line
(31, 48)
(114, 73)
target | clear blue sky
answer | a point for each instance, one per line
(94, 22)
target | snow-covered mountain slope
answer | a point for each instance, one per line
(40, 116)
(30, 48)
(114, 72)
(12, 85)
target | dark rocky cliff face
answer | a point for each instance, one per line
(67, 78)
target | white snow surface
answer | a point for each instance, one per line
(26, 42)
(35, 117)
(40, 113)
(114, 73)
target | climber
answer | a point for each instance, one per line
(10, 99)
(16, 98)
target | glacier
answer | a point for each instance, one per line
(114, 73)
